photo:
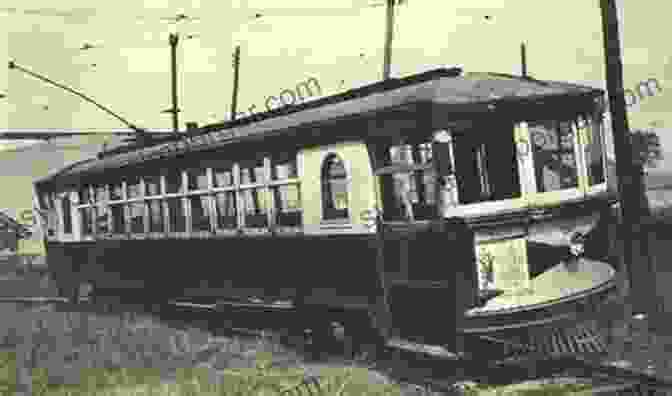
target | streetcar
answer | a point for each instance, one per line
(409, 202)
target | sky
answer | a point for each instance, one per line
(337, 42)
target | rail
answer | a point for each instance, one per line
(528, 361)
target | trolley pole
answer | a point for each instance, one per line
(627, 187)
(236, 68)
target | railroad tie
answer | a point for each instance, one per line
(590, 341)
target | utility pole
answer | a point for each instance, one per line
(234, 95)
(173, 39)
(628, 187)
(389, 30)
(523, 59)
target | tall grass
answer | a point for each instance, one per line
(262, 379)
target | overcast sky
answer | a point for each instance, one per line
(338, 42)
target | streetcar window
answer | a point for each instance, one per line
(136, 212)
(286, 197)
(116, 191)
(155, 209)
(84, 195)
(225, 205)
(287, 205)
(409, 195)
(101, 193)
(133, 187)
(486, 165)
(176, 215)
(252, 171)
(200, 213)
(197, 179)
(174, 181)
(595, 154)
(86, 218)
(118, 219)
(254, 207)
(67, 219)
(284, 166)
(223, 176)
(152, 185)
(554, 156)
(334, 188)
(102, 219)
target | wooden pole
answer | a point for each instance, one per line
(389, 28)
(236, 68)
(629, 190)
(523, 59)
(173, 40)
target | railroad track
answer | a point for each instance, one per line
(498, 361)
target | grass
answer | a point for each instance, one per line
(529, 390)
(259, 380)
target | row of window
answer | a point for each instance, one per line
(487, 167)
(252, 194)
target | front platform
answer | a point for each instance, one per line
(553, 315)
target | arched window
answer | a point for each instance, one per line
(334, 188)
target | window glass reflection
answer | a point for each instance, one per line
(152, 185)
(334, 188)
(554, 156)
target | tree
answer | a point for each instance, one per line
(646, 149)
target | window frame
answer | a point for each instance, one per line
(184, 197)
(83, 206)
(417, 168)
(593, 123)
(61, 233)
(499, 206)
(546, 198)
(325, 191)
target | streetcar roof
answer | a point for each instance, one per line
(445, 90)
